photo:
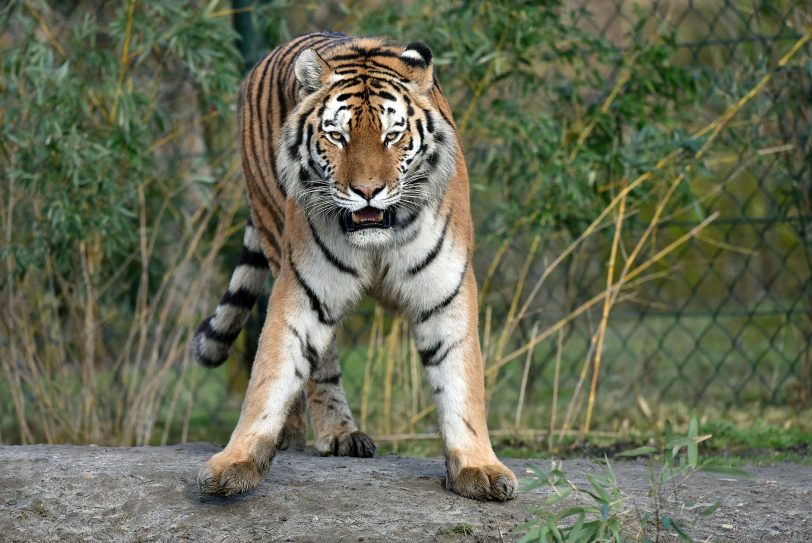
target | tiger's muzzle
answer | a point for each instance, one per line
(365, 218)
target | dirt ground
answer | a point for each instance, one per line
(71, 493)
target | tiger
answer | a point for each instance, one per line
(357, 185)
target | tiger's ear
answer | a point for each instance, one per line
(311, 70)
(417, 57)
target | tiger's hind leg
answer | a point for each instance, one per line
(335, 429)
(294, 433)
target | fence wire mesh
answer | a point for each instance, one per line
(724, 322)
(728, 323)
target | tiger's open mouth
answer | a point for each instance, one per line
(368, 217)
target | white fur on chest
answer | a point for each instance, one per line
(420, 289)
(417, 275)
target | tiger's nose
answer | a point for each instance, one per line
(367, 190)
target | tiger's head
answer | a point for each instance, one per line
(366, 146)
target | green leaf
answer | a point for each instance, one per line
(677, 443)
(533, 534)
(573, 511)
(576, 532)
(683, 535)
(721, 469)
(639, 451)
(589, 532)
(711, 509)
(693, 447)
(557, 497)
(531, 484)
(599, 489)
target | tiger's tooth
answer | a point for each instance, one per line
(355, 218)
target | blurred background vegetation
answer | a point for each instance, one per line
(641, 184)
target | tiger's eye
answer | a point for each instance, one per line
(336, 136)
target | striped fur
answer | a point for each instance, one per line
(357, 185)
(215, 335)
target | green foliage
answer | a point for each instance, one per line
(104, 213)
(463, 529)
(106, 181)
(606, 518)
(84, 114)
(599, 522)
(528, 84)
(762, 435)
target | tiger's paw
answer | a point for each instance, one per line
(293, 437)
(491, 482)
(228, 473)
(356, 444)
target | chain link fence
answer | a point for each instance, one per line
(723, 323)
(727, 324)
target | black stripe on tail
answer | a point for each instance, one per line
(215, 335)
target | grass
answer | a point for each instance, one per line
(462, 529)
(603, 513)
(782, 437)
(631, 391)
(632, 407)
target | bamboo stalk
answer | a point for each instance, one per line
(480, 88)
(173, 402)
(367, 386)
(494, 265)
(390, 351)
(517, 293)
(599, 297)
(523, 386)
(415, 382)
(607, 103)
(577, 392)
(87, 259)
(125, 60)
(46, 29)
(556, 379)
(607, 306)
(486, 336)
(187, 417)
(508, 325)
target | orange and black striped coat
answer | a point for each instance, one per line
(357, 185)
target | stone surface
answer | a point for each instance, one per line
(72, 493)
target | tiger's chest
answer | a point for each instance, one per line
(421, 265)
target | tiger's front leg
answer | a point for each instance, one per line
(293, 338)
(447, 340)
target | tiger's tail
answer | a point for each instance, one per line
(215, 335)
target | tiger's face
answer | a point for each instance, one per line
(365, 146)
